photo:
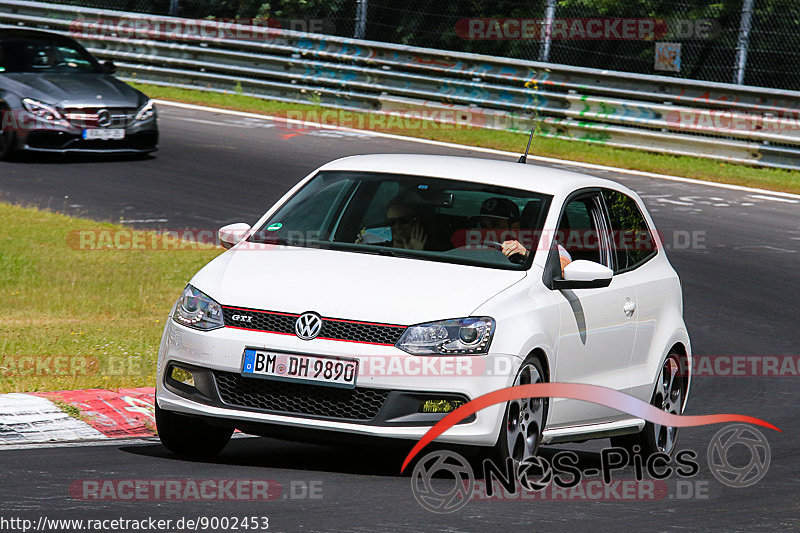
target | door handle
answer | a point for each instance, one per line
(629, 307)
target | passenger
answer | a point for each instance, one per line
(404, 219)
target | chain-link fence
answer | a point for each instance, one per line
(756, 42)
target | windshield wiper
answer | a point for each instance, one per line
(363, 248)
(279, 241)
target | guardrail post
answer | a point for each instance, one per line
(549, 15)
(361, 19)
(744, 41)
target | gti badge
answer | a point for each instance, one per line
(308, 326)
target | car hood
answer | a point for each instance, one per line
(70, 89)
(350, 285)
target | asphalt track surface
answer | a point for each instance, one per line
(741, 294)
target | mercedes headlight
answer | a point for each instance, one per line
(196, 310)
(147, 111)
(459, 336)
(41, 110)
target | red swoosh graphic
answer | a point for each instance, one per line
(590, 393)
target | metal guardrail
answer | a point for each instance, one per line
(734, 123)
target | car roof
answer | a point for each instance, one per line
(510, 174)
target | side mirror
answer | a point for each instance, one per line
(109, 67)
(582, 274)
(232, 234)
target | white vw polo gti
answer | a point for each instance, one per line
(384, 291)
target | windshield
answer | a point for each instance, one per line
(45, 55)
(410, 216)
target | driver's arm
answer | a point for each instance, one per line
(564, 257)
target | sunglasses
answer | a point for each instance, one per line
(406, 219)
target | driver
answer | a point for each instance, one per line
(500, 216)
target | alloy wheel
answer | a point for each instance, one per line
(669, 398)
(525, 418)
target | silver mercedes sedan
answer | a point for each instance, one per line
(56, 97)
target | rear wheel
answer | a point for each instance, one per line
(8, 138)
(521, 432)
(667, 396)
(189, 436)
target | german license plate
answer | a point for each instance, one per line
(104, 134)
(317, 369)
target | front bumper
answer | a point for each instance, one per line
(64, 137)
(400, 377)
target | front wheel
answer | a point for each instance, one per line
(523, 423)
(189, 436)
(668, 396)
(7, 137)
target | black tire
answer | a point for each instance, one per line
(653, 438)
(190, 436)
(8, 138)
(528, 435)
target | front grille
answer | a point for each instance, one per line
(332, 328)
(281, 397)
(83, 117)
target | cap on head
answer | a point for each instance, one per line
(500, 207)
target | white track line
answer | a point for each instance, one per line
(482, 150)
(773, 199)
(80, 443)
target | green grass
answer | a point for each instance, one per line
(75, 318)
(691, 167)
(72, 410)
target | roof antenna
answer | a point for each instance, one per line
(524, 157)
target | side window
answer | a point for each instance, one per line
(633, 242)
(580, 231)
(71, 57)
(314, 212)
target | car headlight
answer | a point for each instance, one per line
(147, 111)
(41, 110)
(196, 310)
(459, 336)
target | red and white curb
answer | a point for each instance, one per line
(104, 414)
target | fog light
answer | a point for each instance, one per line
(182, 376)
(441, 406)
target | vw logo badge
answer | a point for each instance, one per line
(103, 118)
(308, 326)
